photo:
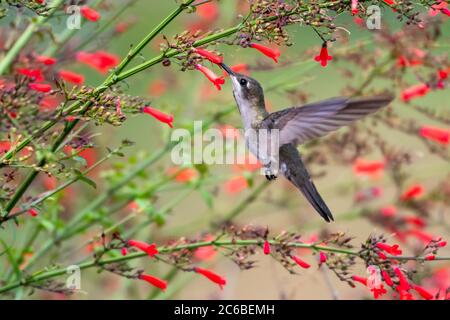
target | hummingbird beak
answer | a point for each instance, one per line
(227, 69)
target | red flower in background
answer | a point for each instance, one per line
(90, 14)
(416, 91)
(413, 192)
(266, 247)
(161, 116)
(268, 52)
(183, 175)
(41, 87)
(33, 212)
(215, 79)
(33, 74)
(206, 253)
(439, 135)
(101, 61)
(157, 88)
(4, 146)
(392, 250)
(322, 257)
(154, 281)
(71, 77)
(214, 277)
(238, 68)
(323, 57)
(46, 60)
(150, 249)
(404, 283)
(209, 55)
(436, 8)
(362, 280)
(300, 262)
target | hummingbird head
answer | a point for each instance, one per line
(246, 90)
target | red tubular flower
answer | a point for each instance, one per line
(33, 74)
(215, 79)
(378, 291)
(388, 211)
(208, 11)
(33, 212)
(4, 146)
(441, 244)
(41, 87)
(183, 175)
(393, 250)
(439, 135)
(154, 281)
(368, 167)
(322, 257)
(390, 2)
(101, 61)
(266, 247)
(300, 262)
(423, 292)
(419, 90)
(150, 249)
(71, 77)
(269, 52)
(412, 192)
(90, 14)
(387, 278)
(236, 184)
(323, 57)
(359, 279)
(161, 116)
(416, 221)
(209, 55)
(124, 251)
(211, 276)
(239, 68)
(404, 283)
(430, 257)
(354, 6)
(46, 60)
(381, 255)
(445, 11)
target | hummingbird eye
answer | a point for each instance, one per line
(243, 82)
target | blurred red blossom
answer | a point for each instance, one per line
(90, 14)
(413, 192)
(215, 79)
(368, 167)
(159, 115)
(150, 249)
(208, 11)
(239, 68)
(236, 184)
(266, 247)
(269, 52)
(33, 74)
(323, 56)
(209, 55)
(154, 281)
(101, 61)
(416, 91)
(392, 250)
(439, 135)
(300, 262)
(41, 87)
(46, 60)
(71, 77)
(183, 175)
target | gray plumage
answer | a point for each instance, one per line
(298, 125)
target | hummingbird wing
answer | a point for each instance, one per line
(298, 125)
(294, 170)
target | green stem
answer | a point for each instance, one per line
(26, 36)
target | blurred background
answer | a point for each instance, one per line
(184, 210)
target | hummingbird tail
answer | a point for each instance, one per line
(309, 190)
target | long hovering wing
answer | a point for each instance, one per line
(300, 124)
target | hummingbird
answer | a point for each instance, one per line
(297, 125)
